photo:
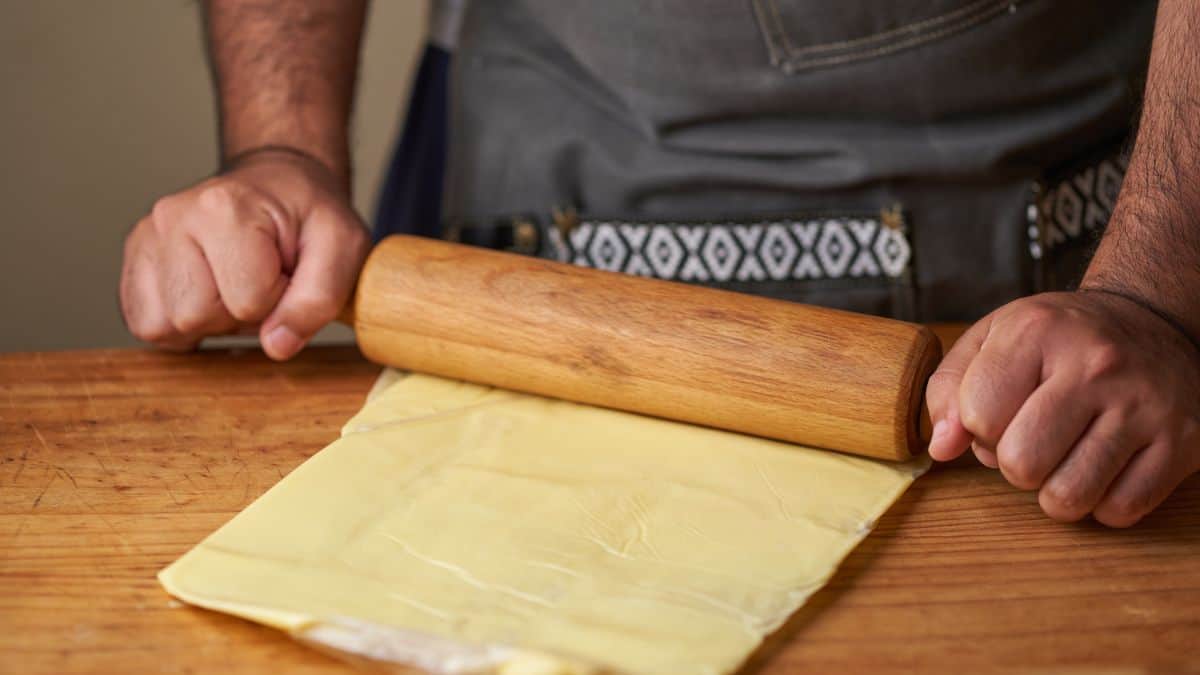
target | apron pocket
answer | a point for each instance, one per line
(803, 35)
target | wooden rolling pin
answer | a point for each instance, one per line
(807, 375)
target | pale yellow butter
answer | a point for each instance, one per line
(466, 529)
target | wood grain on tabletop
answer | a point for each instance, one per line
(113, 463)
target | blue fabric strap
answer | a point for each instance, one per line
(410, 200)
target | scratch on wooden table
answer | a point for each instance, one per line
(17, 533)
(20, 465)
(1140, 612)
(40, 437)
(103, 466)
(286, 381)
(54, 391)
(87, 389)
(69, 476)
(125, 545)
(237, 459)
(171, 493)
(38, 499)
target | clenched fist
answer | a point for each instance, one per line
(1089, 398)
(271, 246)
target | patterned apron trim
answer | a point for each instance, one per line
(1076, 208)
(801, 248)
(1067, 214)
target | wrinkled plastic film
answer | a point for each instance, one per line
(395, 650)
(461, 529)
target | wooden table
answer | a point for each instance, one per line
(113, 463)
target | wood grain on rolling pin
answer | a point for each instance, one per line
(797, 373)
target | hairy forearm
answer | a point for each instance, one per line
(285, 72)
(1151, 250)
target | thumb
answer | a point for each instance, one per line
(329, 256)
(949, 438)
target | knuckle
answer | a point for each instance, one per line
(251, 306)
(1120, 511)
(218, 198)
(189, 320)
(976, 419)
(163, 208)
(1034, 317)
(187, 324)
(1103, 360)
(149, 330)
(1064, 501)
(1134, 399)
(1021, 468)
(1109, 445)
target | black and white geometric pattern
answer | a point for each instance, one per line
(1075, 208)
(809, 249)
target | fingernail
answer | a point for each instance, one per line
(282, 343)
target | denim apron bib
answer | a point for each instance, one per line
(924, 159)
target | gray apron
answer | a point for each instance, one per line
(924, 159)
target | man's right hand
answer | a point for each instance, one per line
(271, 246)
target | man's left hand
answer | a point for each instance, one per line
(1088, 397)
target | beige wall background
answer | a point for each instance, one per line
(103, 107)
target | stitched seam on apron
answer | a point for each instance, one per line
(772, 30)
(783, 54)
(977, 6)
